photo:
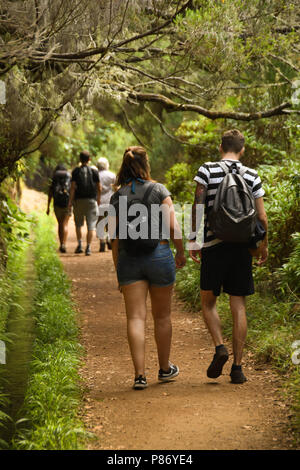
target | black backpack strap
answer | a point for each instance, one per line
(242, 170)
(224, 167)
(148, 192)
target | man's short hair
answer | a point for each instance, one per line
(232, 141)
(84, 156)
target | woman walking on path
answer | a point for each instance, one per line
(60, 192)
(142, 269)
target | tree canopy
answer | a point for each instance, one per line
(235, 59)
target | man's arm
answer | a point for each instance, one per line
(200, 195)
(262, 217)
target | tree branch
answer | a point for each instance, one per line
(172, 106)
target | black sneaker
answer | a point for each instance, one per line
(62, 249)
(237, 376)
(216, 366)
(88, 251)
(140, 383)
(78, 249)
(102, 247)
(165, 376)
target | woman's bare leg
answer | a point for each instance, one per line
(161, 298)
(135, 296)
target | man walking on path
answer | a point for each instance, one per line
(84, 196)
(223, 264)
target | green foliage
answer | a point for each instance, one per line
(13, 224)
(53, 394)
(290, 271)
(282, 188)
(12, 284)
(99, 137)
(203, 136)
(221, 55)
(179, 181)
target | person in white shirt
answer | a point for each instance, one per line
(107, 181)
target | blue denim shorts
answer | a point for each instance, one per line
(158, 267)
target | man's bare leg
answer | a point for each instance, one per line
(211, 317)
(239, 330)
(79, 239)
(213, 323)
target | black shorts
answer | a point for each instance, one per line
(228, 266)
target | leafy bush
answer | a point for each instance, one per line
(14, 229)
(290, 271)
(282, 187)
(179, 181)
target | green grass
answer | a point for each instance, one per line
(53, 395)
(12, 285)
(273, 325)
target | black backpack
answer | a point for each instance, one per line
(233, 215)
(140, 245)
(61, 189)
(86, 185)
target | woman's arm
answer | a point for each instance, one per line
(175, 233)
(115, 251)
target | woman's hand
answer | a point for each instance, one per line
(180, 260)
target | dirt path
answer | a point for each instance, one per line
(190, 413)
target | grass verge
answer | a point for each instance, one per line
(53, 395)
(12, 285)
(273, 326)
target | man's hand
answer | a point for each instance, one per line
(262, 255)
(195, 251)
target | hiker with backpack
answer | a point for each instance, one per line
(145, 265)
(107, 181)
(59, 191)
(235, 228)
(85, 196)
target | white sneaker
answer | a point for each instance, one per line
(170, 374)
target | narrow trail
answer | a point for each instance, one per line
(190, 413)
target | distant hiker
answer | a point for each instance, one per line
(59, 190)
(146, 265)
(232, 209)
(107, 181)
(84, 196)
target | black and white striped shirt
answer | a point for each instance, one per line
(211, 174)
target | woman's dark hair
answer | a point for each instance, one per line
(135, 165)
(59, 167)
